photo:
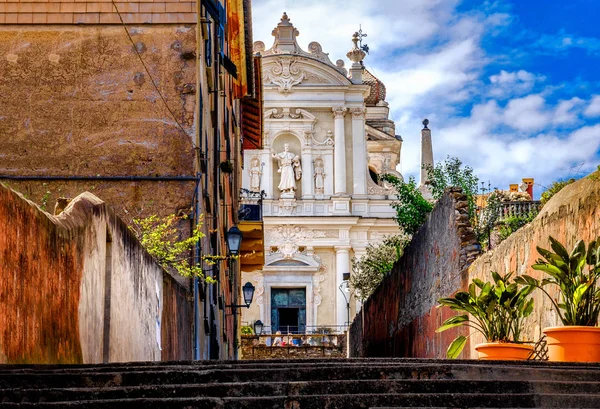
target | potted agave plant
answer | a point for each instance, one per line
(497, 310)
(576, 274)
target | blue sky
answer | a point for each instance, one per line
(511, 87)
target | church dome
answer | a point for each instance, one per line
(377, 88)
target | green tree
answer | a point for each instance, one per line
(452, 173)
(369, 270)
(411, 208)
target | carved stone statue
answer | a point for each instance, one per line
(289, 168)
(319, 176)
(255, 174)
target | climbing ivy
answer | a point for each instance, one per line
(370, 269)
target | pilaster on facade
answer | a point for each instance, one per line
(342, 266)
(339, 151)
(359, 168)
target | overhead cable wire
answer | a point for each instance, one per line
(148, 72)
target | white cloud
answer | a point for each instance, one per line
(567, 111)
(593, 109)
(430, 57)
(513, 83)
(526, 114)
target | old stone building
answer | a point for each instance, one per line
(327, 136)
(145, 104)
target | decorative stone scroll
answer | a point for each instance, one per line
(285, 43)
(258, 280)
(285, 74)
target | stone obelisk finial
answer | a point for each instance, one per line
(426, 159)
(356, 55)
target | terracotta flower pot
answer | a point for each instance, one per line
(503, 351)
(573, 343)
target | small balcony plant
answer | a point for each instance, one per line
(497, 310)
(576, 276)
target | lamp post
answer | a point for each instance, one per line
(342, 286)
(234, 240)
(234, 243)
(248, 291)
(258, 327)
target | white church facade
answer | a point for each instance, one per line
(327, 135)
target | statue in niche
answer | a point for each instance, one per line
(255, 174)
(290, 170)
(319, 176)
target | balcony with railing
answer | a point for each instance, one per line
(510, 209)
(298, 343)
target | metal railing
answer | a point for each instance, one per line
(301, 340)
(304, 329)
(519, 208)
(250, 205)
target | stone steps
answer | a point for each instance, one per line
(304, 384)
(345, 387)
(500, 400)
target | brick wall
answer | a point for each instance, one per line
(401, 317)
(96, 12)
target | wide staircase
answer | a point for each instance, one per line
(304, 384)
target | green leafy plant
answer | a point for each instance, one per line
(411, 208)
(554, 188)
(452, 173)
(246, 330)
(511, 224)
(161, 237)
(497, 310)
(370, 269)
(576, 276)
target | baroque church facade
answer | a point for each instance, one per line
(327, 135)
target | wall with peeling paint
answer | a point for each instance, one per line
(79, 288)
(401, 317)
(572, 214)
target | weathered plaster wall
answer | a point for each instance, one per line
(400, 318)
(78, 287)
(136, 298)
(572, 214)
(77, 101)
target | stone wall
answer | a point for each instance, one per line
(77, 102)
(400, 318)
(572, 214)
(79, 288)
